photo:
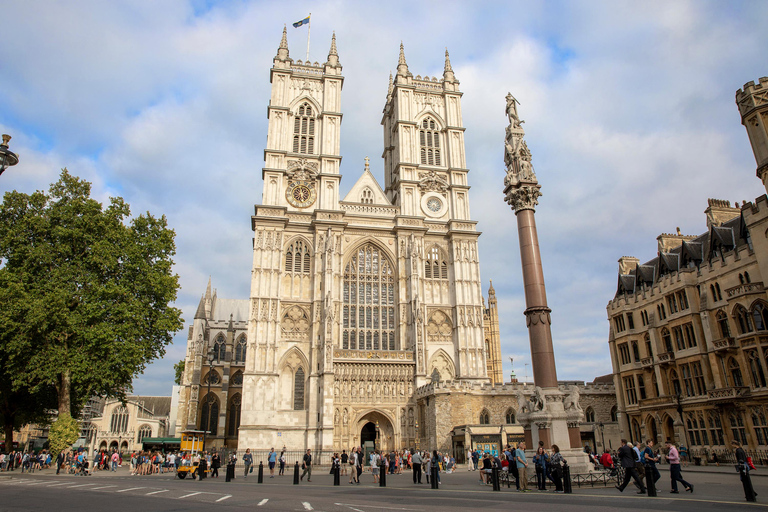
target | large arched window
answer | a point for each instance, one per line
(297, 257)
(510, 416)
(485, 418)
(745, 322)
(589, 415)
(760, 316)
(756, 369)
(209, 414)
(298, 390)
(234, 415)
(435, 264)
(369, 301)
(614, 413)
(735, 370)
(240, 347)
(219, 348)
(716, 429)
(429, 141)
(304, 130)
(674, 380)
(666, 339)
(722, 322)
(119, 420)
(212, 377)
(144, 431)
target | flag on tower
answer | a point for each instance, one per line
(302, 22)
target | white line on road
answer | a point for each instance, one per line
(103, 487)
(155, 492)
(130, 489)
(80, 485)
(373, 506)
(188, 495)
(307, 506)
(224, 498)
(262, 502)
(35, 482)
(56, 485)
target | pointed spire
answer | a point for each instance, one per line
(448, 75)
(491, 291)
(402, 67)
(391, 86)
(200, 313)
(231, 326)
(282, 51)
(208, 289)
(333, 55)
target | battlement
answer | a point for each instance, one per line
(718, 203)
(752, 95)
(750, 87)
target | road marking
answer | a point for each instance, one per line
(262, 502)
(103, 487)
(130, 489)
(80, 485)
(155, 492)
(188, 495)
(307, 506)
(350, 505)
(224, 498)
(56, 485)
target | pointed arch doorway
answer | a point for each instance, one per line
(376, 432)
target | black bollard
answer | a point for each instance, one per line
(746, 481)
(382, 476)
(336, 473)
(261, 473)
(495, 479)
(567, 479)
(230, 473)
(650, 485)
(433, 476)
(296, 473)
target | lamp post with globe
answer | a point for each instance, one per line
(7, 157)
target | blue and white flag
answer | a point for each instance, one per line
(302, 22)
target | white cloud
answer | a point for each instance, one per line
(629, 114)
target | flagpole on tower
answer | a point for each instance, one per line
(309, 28)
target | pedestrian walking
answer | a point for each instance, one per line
(627, 458)
(743, 468)
(282, 464)
(416, 461)
(674, 469)
(306, 465)
(650, 459)
(247, 462)
(556, 460)
(272, 459)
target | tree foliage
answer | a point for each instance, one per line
(86, 292)
(63, 432)
(179, 369)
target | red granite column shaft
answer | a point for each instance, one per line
(537, 311)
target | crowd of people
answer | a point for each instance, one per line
(25, 461)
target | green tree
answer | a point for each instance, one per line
(179, 369)
(63, 432)
(86, 293)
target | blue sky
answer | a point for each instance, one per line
(629, 110)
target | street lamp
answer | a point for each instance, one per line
(679, 398)
(7, 157)
(378, 433)
(417, 434)
(209, 356)
(602, 434)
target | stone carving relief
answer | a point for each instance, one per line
(521, 188)
(572, 400)
(295, 323)
(302, 170)
(441, 365)
(433, 181)
(439, 327)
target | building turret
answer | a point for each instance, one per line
(402, 66)
(753, 107)
(333, 57)
(283, 60)
(448, 75)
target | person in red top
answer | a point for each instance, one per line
(606, 460)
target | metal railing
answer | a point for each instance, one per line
(724, 456)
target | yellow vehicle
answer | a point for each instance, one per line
(191, 443)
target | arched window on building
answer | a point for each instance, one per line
(697, 429)
(636, 351)
(589, 415)
(636, 433)
(737, 427)
(717, 289)
(297, 258)
(240, 348)
(298, 390)
(679, 341)
(744, 319)
(510, 416)
(648, 346)
(233, 420)
(614, 413)
(746, 277)
(219, 349)
(429, 141)
(756, 369)
(666, 338)
(369, 309)
(760, 425)
(304, 130)
(760, 316)
(209, 414)
(236, 379)
(119, 420)
(722, 322)
(212, 377)
(435, 264)
(675, 383)
(641, 387)
(655, 383)
(716, 429)
(735, 370)
(366, 196)
(144, 431)
(485, 418)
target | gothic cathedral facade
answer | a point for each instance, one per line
(355, 302)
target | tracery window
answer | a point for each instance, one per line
(685, 370)
(369, 314)
(722, 322)
(304, 130)
(667, 339)
(716, 429)
(690, 335)
(429, 140)
(209, 414)
(435, 264)
(648, 346)
(698, 378)
(237, 379)
(697, 429)
(675, 382)
(760, 315)
(589, 415)
(219, 349)
(366, 197)
(737, 427)
(510, 416)
(760, 425)
(240, 348)
(485, 418)
(119, 420)
(679, 341)
(756, 369)
(298, 390)
(640, 387)
(234, 415)
(745, 322)
(629, 388)
(297, 257)
(144, 431)
(212, 377)
(735, 371)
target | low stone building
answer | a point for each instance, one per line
(122, 427)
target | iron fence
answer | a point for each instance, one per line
(724, 456)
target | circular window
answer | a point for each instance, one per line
(434, 204)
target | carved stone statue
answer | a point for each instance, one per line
(572, 400)
(512, 103)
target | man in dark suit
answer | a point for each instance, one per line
(627, 458)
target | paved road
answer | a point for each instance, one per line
(460, 491)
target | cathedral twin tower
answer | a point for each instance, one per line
(355, 302)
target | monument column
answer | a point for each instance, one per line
(549, 416)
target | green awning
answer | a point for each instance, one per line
(161, 440)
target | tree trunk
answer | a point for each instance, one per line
(8, 428)
(64, 391)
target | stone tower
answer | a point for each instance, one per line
(753, 107)
(493, 338)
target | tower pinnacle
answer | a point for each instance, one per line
(282, 50)
(402, 66)
(333, 56)
(391, 88)
(448, 75)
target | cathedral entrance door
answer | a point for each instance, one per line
(368, 440)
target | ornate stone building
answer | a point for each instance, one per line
(355, 302)
(492, 338)
(689, 328)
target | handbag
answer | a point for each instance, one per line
(251, 470)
